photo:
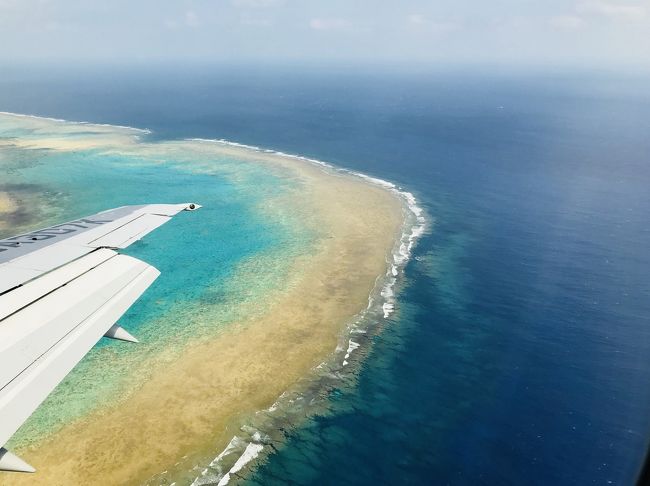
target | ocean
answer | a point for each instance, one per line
(518, 351)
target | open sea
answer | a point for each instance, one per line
(519, 351)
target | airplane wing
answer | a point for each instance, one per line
(62, 289)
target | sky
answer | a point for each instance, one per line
(592, 32)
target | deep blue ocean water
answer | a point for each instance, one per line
(520, 352)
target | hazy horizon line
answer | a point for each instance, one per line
(410, 65)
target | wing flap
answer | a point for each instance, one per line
(36, 289)
(25, 392)
(30, 332)
(12, 276)
(50, 258)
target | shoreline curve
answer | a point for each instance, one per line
(373, 226)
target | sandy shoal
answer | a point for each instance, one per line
(190, 407)
(7, 206)
(71, 145)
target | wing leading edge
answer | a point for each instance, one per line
(58, 296)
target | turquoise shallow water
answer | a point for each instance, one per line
(206, 259)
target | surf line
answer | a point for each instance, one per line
(245, 450)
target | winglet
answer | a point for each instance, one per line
(13, 463)
(121, 334)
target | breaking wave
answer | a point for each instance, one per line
(145, 131)
(266, 430)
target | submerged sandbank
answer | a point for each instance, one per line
(7, 206)
(192, 402)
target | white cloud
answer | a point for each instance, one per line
(589, 9)
(567, 22)
(421, 22)
(8, 4)
(257, 3)
(191, 19)
(330, 23)
(170, 24)
(255, 21)
(506, 30)
(417, 19)
(613, 9)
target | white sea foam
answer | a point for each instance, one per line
(251, 452)
(232, 445)
(61, 120)
(22, 115)
(213, 474)
(414, 227)
(351, 347)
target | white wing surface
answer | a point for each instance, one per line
(61, 290)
